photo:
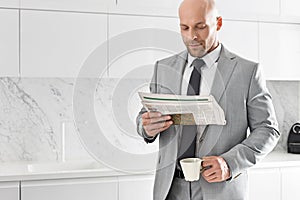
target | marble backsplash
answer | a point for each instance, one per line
(286, 100)
(37, 121)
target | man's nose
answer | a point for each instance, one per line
(193, 35)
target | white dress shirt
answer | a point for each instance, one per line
(208, 72)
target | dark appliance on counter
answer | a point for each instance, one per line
(294, 139)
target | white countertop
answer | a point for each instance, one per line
(279, 159)
(44, 171)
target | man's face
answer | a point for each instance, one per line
(199, 28)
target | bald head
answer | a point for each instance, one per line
(199, 23)
(198, 7)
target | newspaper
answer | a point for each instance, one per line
(186, 110)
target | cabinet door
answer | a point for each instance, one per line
(243, 9)
(146, 7)
(56, 44)
(264, 184)
(290, 8)
(68, 5)
(9, 40)
(235, 40)
(290, 183)
(136, 187)
(144, 57)
(75, 189)
(9, 3)
(9, 190)
(278, 59)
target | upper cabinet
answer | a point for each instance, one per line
(144, 40)
(233, 34)
(9, 40)
(9, 3)
(244, 9)
(290, 8)
(68, 5)
(146, 7)
(279, 48)
(57, 44)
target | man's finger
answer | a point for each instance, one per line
(210, 177)
(166, 126)
(209, 172)
(154, 114)
(148, 115)
(155, 126)
(209, 158)
(207, 163)
(160, 119)
(148, 121)
(213, 179)
(155, 131)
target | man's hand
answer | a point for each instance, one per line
(154, 123)
(217, 169)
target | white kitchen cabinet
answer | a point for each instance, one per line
(279, 47)
(264, 184)
(244, 9)
(68, 5)
(75, 189)
(9, 40)
(56, 44)
(9, 3)
(140, 57)
(290, 8)
(136, 187)
(9, 190)
(146, 7)
(233, 34)
(290, 183)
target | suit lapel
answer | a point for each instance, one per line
(226, 65)
(181, 60)
(176, 72)
(225, 68)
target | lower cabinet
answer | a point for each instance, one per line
(136, 187)
(281, 183)
(75, 189)
(290, 183)
(264, 184)
(116, 188)
(9, 190)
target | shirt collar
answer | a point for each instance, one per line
(209, 58)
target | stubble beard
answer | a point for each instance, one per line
(198, 51)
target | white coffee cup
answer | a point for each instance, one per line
(191, 168)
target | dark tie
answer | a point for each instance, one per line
(189, 132)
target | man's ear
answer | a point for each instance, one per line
(219, 23)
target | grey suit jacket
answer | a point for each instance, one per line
(241, 91)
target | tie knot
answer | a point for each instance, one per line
(198, 63)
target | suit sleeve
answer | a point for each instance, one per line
(262, 122)
(153, 89)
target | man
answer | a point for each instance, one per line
(237, 86)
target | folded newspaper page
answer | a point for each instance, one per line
(185, 110)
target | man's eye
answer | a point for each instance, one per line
(184, 28)
(201, 26)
